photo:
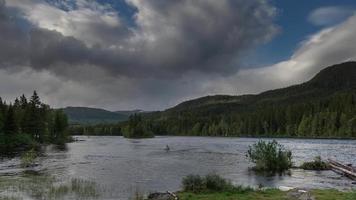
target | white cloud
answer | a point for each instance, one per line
(330, 15)
(328, 47)
(89, 21)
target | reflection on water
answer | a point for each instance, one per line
(121, 166)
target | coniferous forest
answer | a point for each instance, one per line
(328, 118)
(27, 123)
(324, 107)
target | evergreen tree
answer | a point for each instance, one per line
(10, 127)
(60, 127)
(23, 102)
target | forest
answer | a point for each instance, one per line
(27, 123)
(334, 117)
(135, 127)
(323, 107)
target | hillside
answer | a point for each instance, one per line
(129, 112)
(85, 115)
(328, 98)
(328, 81)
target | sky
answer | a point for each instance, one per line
(154, 54)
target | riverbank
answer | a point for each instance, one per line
(271, 194)
(215, 187)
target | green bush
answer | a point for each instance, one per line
(194, 183)
(270, 157)
(210, 183)
(317, 164)
(28, 158)
(215, 182)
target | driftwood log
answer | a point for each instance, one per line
(347, 170)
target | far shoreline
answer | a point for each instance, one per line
(232, 137)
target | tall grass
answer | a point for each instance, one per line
(210, 183)
(47, 187)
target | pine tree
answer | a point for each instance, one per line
(23, 102)
(35, 100)
(2, 115)
(59, 127)
(10, 127)
(33, 119)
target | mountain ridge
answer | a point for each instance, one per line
(318, 82)
(325, 105)
(88, 115)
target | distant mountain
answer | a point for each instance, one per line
(85, 115)
(325, 106)
(129, 112)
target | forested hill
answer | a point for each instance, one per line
(85, 115)
(322, 107)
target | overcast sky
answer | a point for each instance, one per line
(153, 54)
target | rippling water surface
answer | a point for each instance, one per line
(120, 167)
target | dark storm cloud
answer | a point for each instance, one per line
(13, 43)
(169, 38)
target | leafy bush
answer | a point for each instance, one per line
(317, 164)
(194, 183)
(210, 183)
(270, 157)
(215, 182)
(28, 158)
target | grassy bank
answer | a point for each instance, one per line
(214, 187)
(270, 194)
(258, 195)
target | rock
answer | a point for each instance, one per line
(285, 188)
(298, 194)
(162, 196)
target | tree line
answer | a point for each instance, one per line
(329, 117)
(27, 123)
(134, 127)
(333, 117)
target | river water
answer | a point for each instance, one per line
(121, 167)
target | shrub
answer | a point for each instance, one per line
(215, 182)
(270, 157)
(210, 183)
(194, 183)
(317, 164)
(28, 158)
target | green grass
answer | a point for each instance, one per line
(269, 194)
(333, 195)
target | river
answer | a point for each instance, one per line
(120, 167)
